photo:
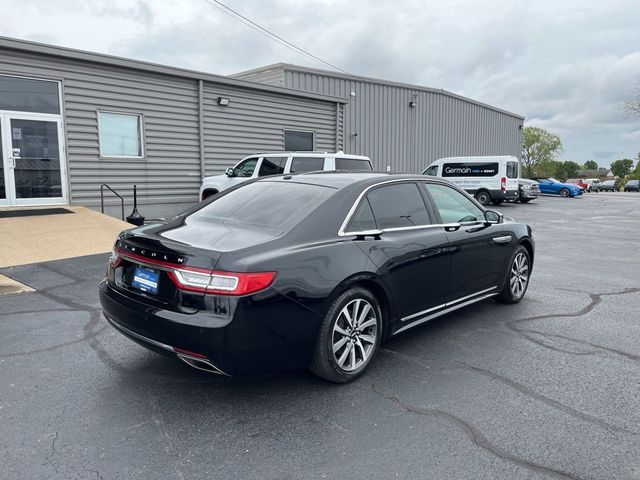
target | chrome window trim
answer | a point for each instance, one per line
(448, 304)
(356, 204)
(445, 311)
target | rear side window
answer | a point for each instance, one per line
(273, 206)
(398, 205)
(306, 164)
(352, 164)
(512, 169)
(470, 169)
(272, 166)
(363, 218)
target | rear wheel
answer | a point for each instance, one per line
(497, 202)
(525, 200)
(483, 198)
(349, 336)
(517, 280)
(565, 192)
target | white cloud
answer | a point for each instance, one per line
(566, 65)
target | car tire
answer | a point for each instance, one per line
(483, 198)
(565, 192)
(341, 354)
(497, 202)
(517, 278)
(525, 200)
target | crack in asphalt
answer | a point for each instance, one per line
(595, 300)
(524, 389)
(475, 435)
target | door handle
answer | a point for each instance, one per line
(505, 239)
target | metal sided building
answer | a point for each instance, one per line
(71, 121)
(403, 127)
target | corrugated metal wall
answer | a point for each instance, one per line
(378, 121)
(170, 171)
(168, 178)
(255, 122)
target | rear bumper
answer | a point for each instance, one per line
(260, 333)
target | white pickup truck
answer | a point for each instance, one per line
(263, 164)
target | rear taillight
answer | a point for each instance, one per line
(202, 280)
(221, 283)
(115, 259)
(503, 184)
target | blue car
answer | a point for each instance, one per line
(551, 186)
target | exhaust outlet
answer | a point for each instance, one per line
(201, 364)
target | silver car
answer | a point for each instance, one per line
(528, 190)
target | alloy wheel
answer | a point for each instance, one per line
(354, 334)
(519, 275)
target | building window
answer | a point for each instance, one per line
(28, 95)
(296, 141)
(120, 135)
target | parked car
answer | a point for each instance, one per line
(528, 190)
(593, 184)
(579, 182)
(632, 186)
(551, 186)
(311, 270)
(276, 163)
(610, 186)
(488, 179)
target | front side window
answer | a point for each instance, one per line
(246, 167)
(295, 141)
(399, 205)
(120, 134)
(453, 206)
(353, 164)
(431, 171)
(512, 169)
(306, 164)
(272, 166)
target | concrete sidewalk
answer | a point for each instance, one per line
(25, 240)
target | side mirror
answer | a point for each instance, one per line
(229, 172)
(492, 217)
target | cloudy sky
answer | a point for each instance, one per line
(567, 65)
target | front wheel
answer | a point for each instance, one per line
(349, 336)
(565, 192)
(517, 280)
(526, 200)
(483, 198)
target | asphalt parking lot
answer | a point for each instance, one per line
(548, 388)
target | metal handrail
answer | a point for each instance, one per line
(115, 193)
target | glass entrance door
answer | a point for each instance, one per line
(34, 167)
(3, 167)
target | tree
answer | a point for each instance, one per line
(591, 165)
(622, 168)
(633, 106)
(568, 169)
(538, 146)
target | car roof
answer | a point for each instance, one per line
(343, 178)
(309, 154)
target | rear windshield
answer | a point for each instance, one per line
(273, 206)
(512, 169)
(352, 164)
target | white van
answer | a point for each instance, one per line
(488, 179)
(277, 163)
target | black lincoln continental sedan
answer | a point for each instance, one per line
(311, 270)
